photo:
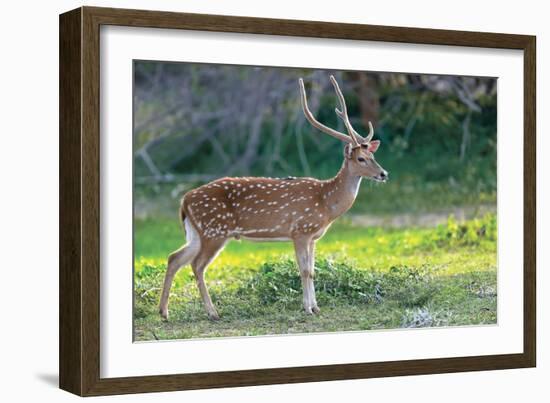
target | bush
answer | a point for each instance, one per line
(411, 286)
(471, 232)
(280, 283)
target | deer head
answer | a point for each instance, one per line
(358, 150)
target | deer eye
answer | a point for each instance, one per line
(361, 159)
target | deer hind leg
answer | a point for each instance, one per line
(176, 261)
(303, 258)
(209, 250)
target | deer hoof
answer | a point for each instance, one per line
(308, 310)
(315, 309)
(213, 316)
(163, 313)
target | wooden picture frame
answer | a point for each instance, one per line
(79, 281)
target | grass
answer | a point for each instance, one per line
(366, 278)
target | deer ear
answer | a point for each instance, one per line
(348, 150)
(373, 146)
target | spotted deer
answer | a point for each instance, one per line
(272, 209)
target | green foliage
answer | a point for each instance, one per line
(432, 163)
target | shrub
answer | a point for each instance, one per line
(411, 286)
(146, 283)
(280, 283)
(471, 232)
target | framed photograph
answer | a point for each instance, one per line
(249, 201)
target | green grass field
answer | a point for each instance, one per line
(366, 278)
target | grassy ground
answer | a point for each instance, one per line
(366, 278)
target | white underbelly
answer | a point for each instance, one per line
(264, 239)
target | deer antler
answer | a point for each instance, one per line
(343, 114)
(309, 116)
(371, 133)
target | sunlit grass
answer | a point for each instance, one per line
(372, 248)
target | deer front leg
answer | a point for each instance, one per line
(311, 263)
(306, 274)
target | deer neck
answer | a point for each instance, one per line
(342, 191)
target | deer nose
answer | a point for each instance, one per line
(384, 174)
